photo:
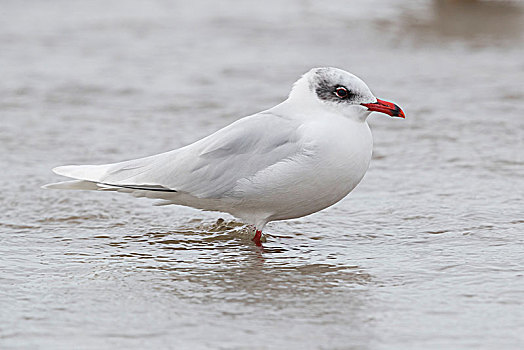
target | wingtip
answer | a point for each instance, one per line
(61, 170)
(52, 186)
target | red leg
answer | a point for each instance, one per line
(257, 237)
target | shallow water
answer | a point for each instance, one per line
(427, 252)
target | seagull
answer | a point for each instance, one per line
(294, 159)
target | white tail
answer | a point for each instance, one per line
(73, 185)
(83, 172)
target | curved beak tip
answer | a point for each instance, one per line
(386, 107)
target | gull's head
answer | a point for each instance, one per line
(340, 92)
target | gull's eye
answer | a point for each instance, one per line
(341, 92)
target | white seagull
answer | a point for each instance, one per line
(299, 157)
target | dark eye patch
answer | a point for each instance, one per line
(337, 93)
(330, 87)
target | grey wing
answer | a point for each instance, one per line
(208, 168)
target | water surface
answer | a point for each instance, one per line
(426, 253)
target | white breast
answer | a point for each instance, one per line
(333, 160)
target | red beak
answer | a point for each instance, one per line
(385, 107)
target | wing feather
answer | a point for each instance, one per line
(207, 168)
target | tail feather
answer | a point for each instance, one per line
(73, 185)
(83, 172)
(111, 177)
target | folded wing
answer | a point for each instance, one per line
(208, 168)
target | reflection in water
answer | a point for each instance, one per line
(195, 233)
(220, 261)
(254, 282)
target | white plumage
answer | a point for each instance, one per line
(294, 159)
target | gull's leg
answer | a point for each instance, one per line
(256, 239)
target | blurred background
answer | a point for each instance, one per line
(427, 252)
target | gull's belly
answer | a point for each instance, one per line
(319, 177)
(315, 191)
